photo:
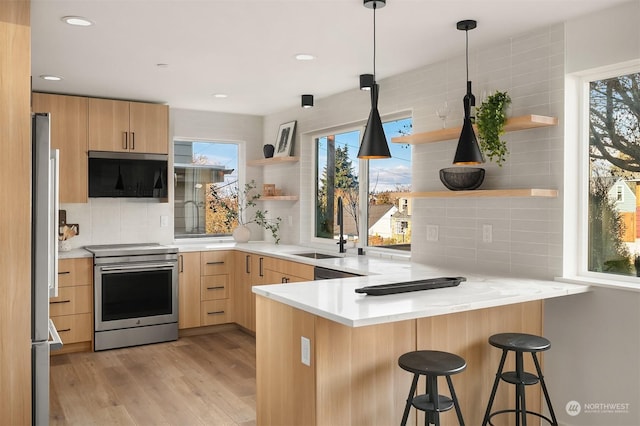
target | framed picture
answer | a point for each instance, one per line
(284, 141)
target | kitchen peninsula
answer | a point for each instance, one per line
(327, 355)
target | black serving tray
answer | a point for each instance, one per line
(428, 284)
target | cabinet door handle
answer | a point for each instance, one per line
(63, 330)
(215, 313)
(261, 271)
(60, 301)
(181, 263)
(247, 263)
(125, 140)
(63, 272)
(220, 262)
(218, 287)
(133, 141)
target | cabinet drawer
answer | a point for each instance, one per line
(74, 328)
(215, 312)
(214, 287)
(216, 262)
(288, 268)
(72, 272)
(71, 300)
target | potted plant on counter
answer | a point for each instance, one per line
(490, 119)
(235, 207)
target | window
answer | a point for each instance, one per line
(206, 177)
(386, 216)
(389, 215)
(614, 172)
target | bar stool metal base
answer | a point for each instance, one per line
(519, 343)
(431, 364)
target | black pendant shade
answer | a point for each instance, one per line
(159, 184)
(119, 182)
(374, 142)
(468, 151)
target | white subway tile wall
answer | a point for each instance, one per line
(526, 233)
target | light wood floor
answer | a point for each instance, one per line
(199, 380)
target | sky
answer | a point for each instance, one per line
(384, 175)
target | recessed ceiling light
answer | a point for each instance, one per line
(50, 77)
(78, 21)
(220, 95)
(305, 57)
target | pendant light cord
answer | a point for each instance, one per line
(467, 51)
(374, 42)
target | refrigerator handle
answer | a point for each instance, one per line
(54, 231)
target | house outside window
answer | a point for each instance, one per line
(613, 245)
(386, 216)
(200, 169)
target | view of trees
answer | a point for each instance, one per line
(614, 151)
(339, 182)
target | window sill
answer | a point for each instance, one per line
(600, 282)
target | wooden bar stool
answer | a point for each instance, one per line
(519, 343)
(432, 364)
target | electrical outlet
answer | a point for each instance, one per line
(164, 221)
(305, 350)
(487, 233)
(432, 232)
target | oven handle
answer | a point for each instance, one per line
(141, 267)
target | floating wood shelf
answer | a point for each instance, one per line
(514, 124)
(487, 193)
(272, 160)
(278, 198)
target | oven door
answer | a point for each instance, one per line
(135, 294)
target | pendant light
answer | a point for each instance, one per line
(468, 151)
(374, 142)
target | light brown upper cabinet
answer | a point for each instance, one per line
(128, 126)
(68, 134)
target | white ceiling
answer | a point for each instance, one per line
(246, 48)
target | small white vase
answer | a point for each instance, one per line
(241, 234)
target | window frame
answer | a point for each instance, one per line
(363, 177)
(576, 175)
(242, 178)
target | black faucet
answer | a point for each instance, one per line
(340, 218)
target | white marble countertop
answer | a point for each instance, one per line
(337, 300)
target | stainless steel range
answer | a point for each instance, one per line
(136, 294)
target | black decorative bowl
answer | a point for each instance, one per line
(462, 178)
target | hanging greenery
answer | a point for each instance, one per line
(490, 119)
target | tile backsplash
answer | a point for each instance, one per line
(120, 221)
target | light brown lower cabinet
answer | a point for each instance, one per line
(72, 310)
(189, 290)
(205, 283)
(353, 377)
(249, 268)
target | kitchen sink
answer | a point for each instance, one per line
(315, 255)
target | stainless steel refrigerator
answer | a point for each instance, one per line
(44, 262)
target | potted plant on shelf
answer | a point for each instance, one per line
(490, 119)
(235, 205)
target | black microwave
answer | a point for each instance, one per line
(130, 175)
